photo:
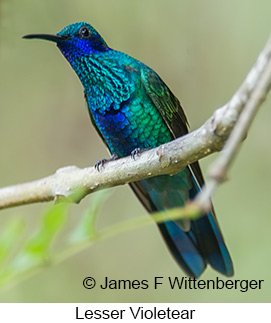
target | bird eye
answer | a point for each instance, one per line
(84, 32)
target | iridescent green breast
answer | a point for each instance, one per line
(119, 104)
(136, 124)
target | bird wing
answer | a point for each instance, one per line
(205, 229)
(165, 102)
(170, 109)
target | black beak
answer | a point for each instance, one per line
(53, 38)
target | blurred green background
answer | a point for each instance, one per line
(202, 50)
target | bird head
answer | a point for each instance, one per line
(78, 39)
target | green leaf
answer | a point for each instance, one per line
(36, 249)
(86, 228)
(9, 238)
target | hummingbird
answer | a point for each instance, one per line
(132, 110)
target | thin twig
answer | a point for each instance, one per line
(218, 170)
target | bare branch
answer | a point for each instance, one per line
(254, 91)
(169, 158)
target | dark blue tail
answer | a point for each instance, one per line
(203, 244)
(197, 246)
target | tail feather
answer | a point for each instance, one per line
(210, 239)
(212, 244)
(183, 249)
(203, 243)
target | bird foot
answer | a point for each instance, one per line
(136, 153)
(100, 163)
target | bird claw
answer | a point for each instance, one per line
(136, 153)
(100, 163)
